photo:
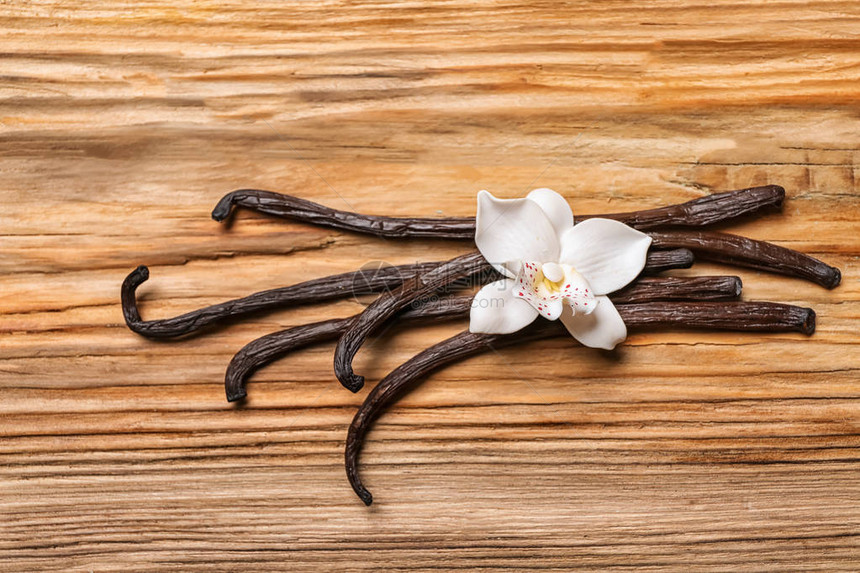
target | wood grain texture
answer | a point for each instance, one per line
(122, 124)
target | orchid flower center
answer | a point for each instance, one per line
(548, 286)
(553, 275)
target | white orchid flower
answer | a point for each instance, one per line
(553, 268)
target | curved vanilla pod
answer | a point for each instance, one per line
(357, 283)
(390, 303)
(743, 316)
(312, 291)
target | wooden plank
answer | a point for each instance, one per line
(121, 125)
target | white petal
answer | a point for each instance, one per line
(602, 328)
(495, 310)
(555, 207)
(513, 230)
(609, 254)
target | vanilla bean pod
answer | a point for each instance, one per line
(290, 207)
(695, 213)
(394, 385)
(706, 288)
(738, 316)
(390, 303)
(730, 316)
(312, 291)
(741, 251)
(326, 288)
(704, 211)
(270, 347)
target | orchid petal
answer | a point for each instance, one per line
(608, 253)
(555, 207)
(496, 310)
(602, 328)
(513, 230)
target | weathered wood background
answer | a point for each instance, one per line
(121, 124)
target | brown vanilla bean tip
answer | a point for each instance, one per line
(807, 324)
(128, 299)
(686, 258)
(142, 271)
(352, 382)
(779, 192)
(137, 277)
(236, 395)
(739, 285)
(659, 261)
(834, 280)
(363, 494)
(224, 207)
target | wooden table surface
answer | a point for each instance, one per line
(122, 124)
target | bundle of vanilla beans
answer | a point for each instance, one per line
(427, 292)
